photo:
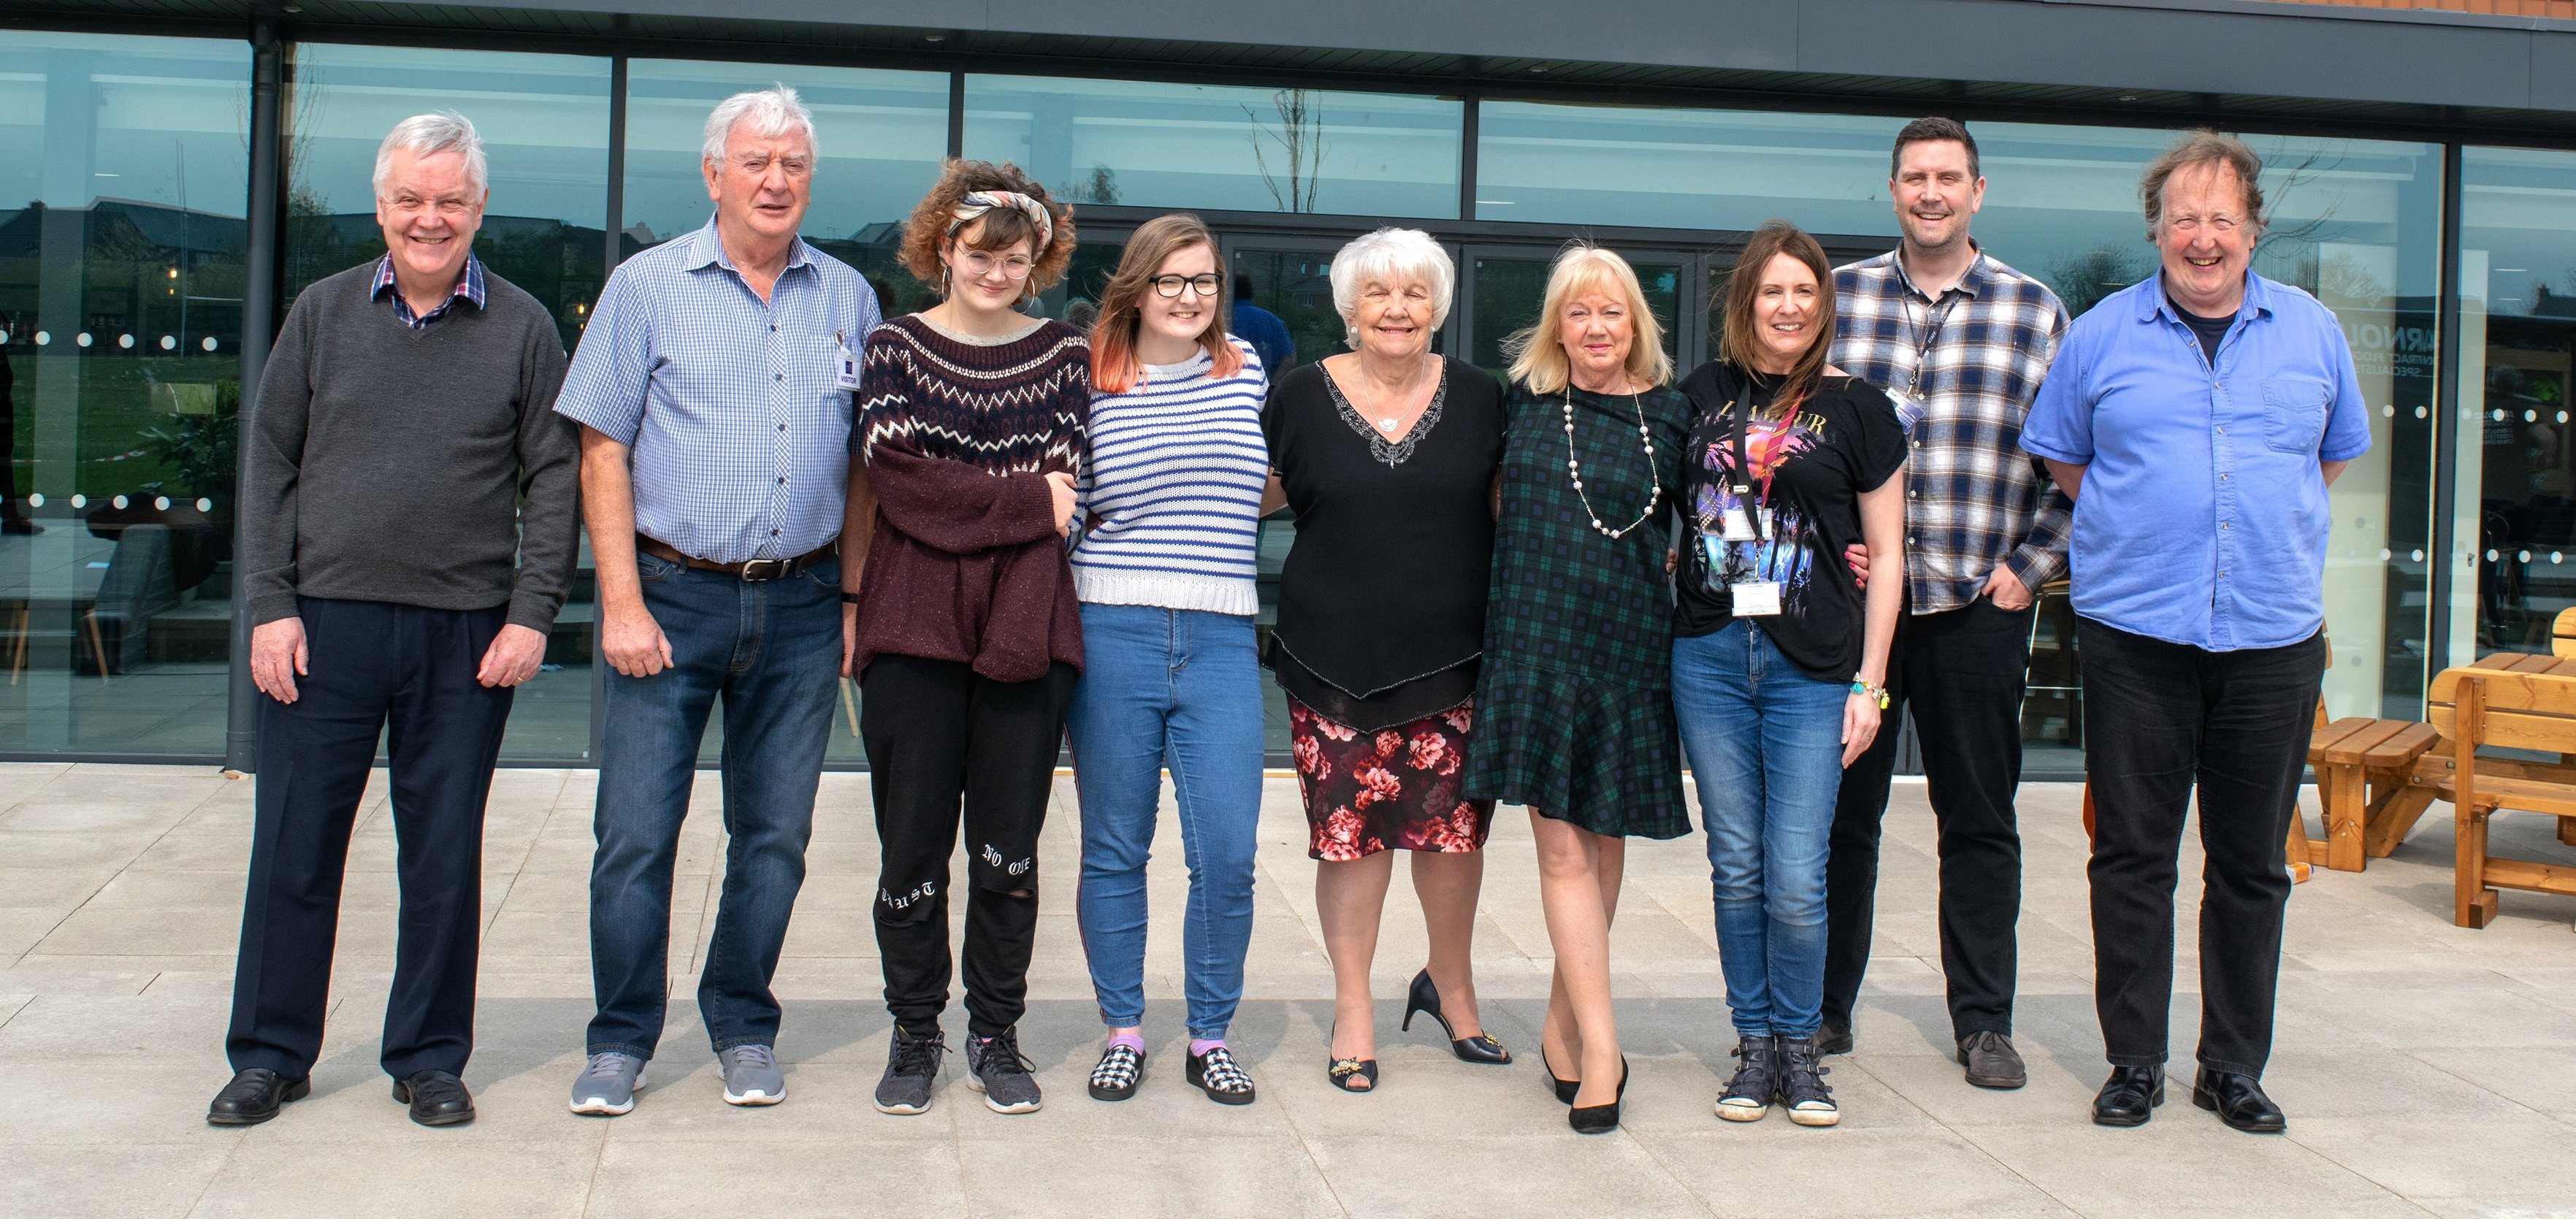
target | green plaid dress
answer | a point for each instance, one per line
(1574, 709)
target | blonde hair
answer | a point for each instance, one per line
(1539, 360)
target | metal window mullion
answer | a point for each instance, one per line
(2446, 429)
(259, 328)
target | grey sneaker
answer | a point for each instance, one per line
(995, 1068)
(751, 1076)
(911, 1074)
(607, 1084)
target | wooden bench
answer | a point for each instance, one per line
(2365, 783)
(2529, 706)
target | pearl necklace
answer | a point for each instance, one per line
(1574, 467)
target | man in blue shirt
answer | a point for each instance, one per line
(1261, 328)
(2196, 419)
(713, 387)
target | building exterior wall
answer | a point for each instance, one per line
(126, 259)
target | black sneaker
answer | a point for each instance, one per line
(1121, 1068)
(1217, 1074)
(1802, 1087)
(995, 1067)
(1757, 1080)
(911, 1074)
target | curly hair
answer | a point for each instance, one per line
(928, 229)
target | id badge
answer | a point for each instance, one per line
(1735, 525)
(1755, 598)
(1909, 409)
(846, 374)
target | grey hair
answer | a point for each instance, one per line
(772, 112)
(2203, 147)
(424, 134)
(1392, 256)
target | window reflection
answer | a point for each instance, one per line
(2517, 360)
(1221, 147)
(121, 244)
(544, 122)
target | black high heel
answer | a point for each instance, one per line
(1600, 1119)
(1564, 1088)
(1425, 998)
(1341, 1071)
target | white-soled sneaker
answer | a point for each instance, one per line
(751, 1076)
(607, 1084)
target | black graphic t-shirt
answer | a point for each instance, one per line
(1809, 472)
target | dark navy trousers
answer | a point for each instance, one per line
(406, 672)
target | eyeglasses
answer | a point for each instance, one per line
(1171, 285)
(979, 264)
(2220, 223)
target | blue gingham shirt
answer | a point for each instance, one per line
(469, 287)
(2203, 515)
(739, 431)
(1973, 501)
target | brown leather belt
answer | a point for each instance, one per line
(754, 571)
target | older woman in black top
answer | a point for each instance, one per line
(1388, 455)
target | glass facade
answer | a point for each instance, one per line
(2514, 522)
(123, 188)
(122, 280)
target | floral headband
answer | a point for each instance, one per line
(976, 203)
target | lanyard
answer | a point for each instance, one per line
(1925, 339)
(1748, 499)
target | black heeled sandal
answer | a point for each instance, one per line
(1600, 1119)
(1423, 997)
(1340, 1071)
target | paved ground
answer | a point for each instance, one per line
(2426, 1069)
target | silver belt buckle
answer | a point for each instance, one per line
(761, 571)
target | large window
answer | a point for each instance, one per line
(2515, 514)
(544, 122)
(121, 239)
(1685, 169)
(1221, 147)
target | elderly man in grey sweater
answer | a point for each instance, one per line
(411, 521)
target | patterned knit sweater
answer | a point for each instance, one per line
(1171, 499)
(964, 563)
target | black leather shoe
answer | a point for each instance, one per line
(437, 1098)
(1423, 997)
(2129, 1097)
(254, 1096)
(2238, 1100)
(1834, 1038)
(1991, 1061)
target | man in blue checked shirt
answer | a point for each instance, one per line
(2196, 420)
(1961, 342)
(713, 387)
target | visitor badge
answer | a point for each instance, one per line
(847, 376)
(1910, 409)
(1736, 525)
(1756, 598)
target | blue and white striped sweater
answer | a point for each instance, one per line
(1170, 500)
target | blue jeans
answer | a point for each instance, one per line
(772, 650)
(1765, 746)
(1176, 688)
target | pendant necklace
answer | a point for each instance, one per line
(1574, 467)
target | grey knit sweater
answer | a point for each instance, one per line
(388, 464)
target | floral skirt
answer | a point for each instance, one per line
(1393, 788)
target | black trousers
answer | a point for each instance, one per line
(2160, 718)
(941, 738)
(406, 672)
(1962, 672)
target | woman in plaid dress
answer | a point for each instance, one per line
(1574, 706)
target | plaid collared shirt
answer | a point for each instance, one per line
(1973, 498)
(469, 287)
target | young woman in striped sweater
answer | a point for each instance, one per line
(1169, 509)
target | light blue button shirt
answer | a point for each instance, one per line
(2203, 515)
(739, 428)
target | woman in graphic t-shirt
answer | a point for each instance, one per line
(1779, 659)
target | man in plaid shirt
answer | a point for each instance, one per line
(1961, 342)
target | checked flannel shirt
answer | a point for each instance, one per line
(1973, 498)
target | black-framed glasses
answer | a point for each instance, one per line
(1171, 285)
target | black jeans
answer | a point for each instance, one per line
(406, 672)
(2159, 718)
(940, 737)
(1962, 671)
